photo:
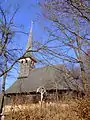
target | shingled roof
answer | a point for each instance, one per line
(48, 77)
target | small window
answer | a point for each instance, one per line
(22, 61)
(26, 61)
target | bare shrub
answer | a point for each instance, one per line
(70, 109)
(83, 108)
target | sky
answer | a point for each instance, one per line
(29, 10)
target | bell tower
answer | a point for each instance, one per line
(27, 62)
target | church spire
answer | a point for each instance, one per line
(29, 42)
(29, 45)
(27, 62)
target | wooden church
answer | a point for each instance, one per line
(52, 78)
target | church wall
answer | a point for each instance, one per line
(50, 96)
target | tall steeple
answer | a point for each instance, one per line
(29, 43)
(27, 62)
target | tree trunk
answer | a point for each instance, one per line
(56, 92)
(79, 56)
(3, 83)
(83, 74)
(3, 93)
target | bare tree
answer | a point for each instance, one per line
(79, 8)
(69, 30)
(7, 55)
(65, 38)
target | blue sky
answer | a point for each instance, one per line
(28, 11)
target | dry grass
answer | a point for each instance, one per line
(83, 108)
(66, 110)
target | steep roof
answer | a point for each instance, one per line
(48, 77)
(29, 42)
